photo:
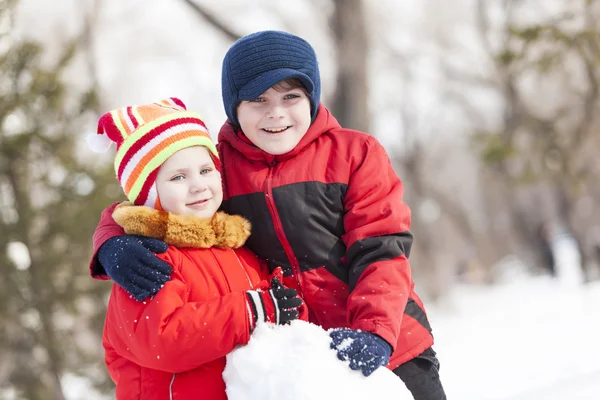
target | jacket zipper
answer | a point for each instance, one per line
(287, 248)
(171, 387)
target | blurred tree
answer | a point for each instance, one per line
(412, 160)
(50, 198)
(547, 141)
(441, 224)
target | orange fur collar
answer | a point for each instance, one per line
(223, 230)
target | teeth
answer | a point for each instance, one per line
(275, 130)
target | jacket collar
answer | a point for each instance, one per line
(236, 138)
(223, 230)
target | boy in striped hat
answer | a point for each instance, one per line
(175, 343)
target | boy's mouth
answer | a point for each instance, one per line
(276, 130)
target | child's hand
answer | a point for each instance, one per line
(365, 351)
(131, 262)
(278, 305)
(266, 285)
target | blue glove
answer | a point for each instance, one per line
(129, 260)
(366, 351)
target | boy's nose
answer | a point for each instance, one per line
(275, 112)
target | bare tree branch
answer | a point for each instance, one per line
(86, 39)
(206, 16)
(457, 214)
(483, 25)
(470, 79)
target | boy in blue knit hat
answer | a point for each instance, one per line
(325, 205)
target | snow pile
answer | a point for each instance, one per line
(535, 338)
(294, 362)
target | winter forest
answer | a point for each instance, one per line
(489, 110)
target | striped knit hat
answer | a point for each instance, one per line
(146, 136)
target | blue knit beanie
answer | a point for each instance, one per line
(260, 60)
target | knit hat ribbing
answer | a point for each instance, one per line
(146, 136)
(260, 60)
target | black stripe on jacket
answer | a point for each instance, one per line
(311, 214)
(369, 250)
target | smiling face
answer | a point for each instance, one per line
(188, 183)
(276, 120)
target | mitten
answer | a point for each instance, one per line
(131, 262)
(278, 305)
(365, 351)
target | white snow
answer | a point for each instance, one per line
(532, 339)
(527, 338)
(294, 362)
(567, 261)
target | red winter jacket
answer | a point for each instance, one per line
(173, 346)
(330, 213)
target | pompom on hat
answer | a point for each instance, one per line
(146, 136)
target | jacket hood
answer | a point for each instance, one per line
(236, 138)
(222, 231)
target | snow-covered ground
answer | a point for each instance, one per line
(532, 339)
(527, 338)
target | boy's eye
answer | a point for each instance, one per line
(291, 96)
(205, 171)
(257, 100)
(177, 178)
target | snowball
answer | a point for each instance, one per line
(294, 362)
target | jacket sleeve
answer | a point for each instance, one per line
(378, 242)
(107, 228)
(170, 334)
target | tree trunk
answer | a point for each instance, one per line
(485, 244)
(350, 101)
(424, 249)
(568, 215)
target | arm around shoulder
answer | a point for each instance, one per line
(106, 229)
